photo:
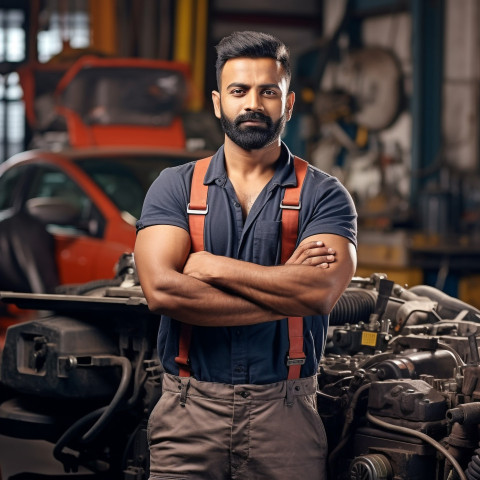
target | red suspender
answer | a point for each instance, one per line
(290, 205)
(196, 209)
(185, 338)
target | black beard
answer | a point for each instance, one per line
(252, 138)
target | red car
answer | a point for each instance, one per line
(115, 124)
(89, 200)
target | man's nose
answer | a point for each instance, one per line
(253, 102)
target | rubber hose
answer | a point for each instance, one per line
(121, 391)
(99, 416)
(73, 432)
(473, 469)
(448, 307)
(426, 438)
(353, 306)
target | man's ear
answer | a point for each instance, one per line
(216, 103)
(289, 105)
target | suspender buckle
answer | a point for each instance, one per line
(192, 211)
(295, 361)
(291, 207)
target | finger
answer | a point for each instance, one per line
(315, 261)
(294, 258)
(315, 248)
(301, 252)
(318, 252)
(309, 250)
(309, 245)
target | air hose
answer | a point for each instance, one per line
(468, 415)
(473, 469)
(448, 307)
(354, 306)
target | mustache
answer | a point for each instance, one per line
(245, 117)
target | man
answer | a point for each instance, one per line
(236, 415)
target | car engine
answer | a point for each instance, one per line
(402, 382)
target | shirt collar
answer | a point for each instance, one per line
(284, 174)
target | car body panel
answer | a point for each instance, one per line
(83, 255)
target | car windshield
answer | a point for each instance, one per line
(125, 180)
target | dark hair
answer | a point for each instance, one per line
(252, 45)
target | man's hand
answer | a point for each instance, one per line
(315, 254)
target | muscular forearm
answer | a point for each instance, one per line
(168, 291)
(190, 300)
(286, 288)
(204, 289)
(293, 289)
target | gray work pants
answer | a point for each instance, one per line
(202, 430)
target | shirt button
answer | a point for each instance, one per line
(239, 369)
(236, 204)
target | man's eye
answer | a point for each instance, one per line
(269, 92)
(237, 91)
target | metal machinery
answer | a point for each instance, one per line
(399, 376)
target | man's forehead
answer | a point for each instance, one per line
(264, 66)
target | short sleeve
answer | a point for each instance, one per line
(330, 208)
(167, 198)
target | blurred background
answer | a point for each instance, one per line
(387, 100)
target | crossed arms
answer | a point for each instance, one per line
(210, 290)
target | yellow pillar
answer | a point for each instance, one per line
(190, 44)
(103, 18)
(183, 31)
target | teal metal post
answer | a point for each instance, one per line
(426, 101)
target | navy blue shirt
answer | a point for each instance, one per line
(254, 354)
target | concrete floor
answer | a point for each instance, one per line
(34, 456)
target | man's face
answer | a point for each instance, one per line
(254, 103)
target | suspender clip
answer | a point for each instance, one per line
(192, 211)
(295, 361)
(291, 207)
(185, 383)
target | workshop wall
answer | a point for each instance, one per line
(461, 84)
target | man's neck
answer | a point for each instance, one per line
(247, 162)
(250, 171)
